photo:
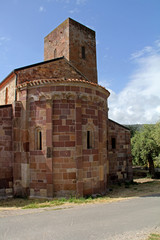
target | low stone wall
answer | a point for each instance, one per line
(6, 164)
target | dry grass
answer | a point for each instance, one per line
(140, 187)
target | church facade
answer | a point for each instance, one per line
(55, 135)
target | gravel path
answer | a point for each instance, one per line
(140, 235)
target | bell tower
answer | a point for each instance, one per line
(77, 44)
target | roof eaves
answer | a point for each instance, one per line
(5, 79)
(119, 124)
(37, 64)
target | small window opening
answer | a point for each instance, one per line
(113, 143)
(89, 140)
(83, 52)
(39, 139)
(55, 53)
(6, 96)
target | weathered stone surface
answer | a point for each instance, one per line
(120, 161)
(67, 40)
(6, 156)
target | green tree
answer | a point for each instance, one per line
(145, 148)
(157, 139)
(157, 133)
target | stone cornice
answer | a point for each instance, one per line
(63, 81)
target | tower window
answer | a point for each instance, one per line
(113, 143)
(83, 52)
(38, 139)
(89, 140)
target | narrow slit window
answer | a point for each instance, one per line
(113, 143)
(89, 140)
(38, 139)
(83, 52)
(55, 53)
(6, 96)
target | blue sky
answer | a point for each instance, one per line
(128, 46)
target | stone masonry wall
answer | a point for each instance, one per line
(81, 36)
(64, 112)
(56, 43)
(119, 153)
(67, 40)
(6, 157)
(21, 148)
(41, 172)
(77, 169)
(10, 94)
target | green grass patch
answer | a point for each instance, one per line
(57, 202)
(154, 237)
(43, 203)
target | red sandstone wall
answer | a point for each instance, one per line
(7, 91)
(68, 39)
(21, 148)
(57, 40)
(6, 158)
(41, 169)
(120, 161)
(65, 166)
(81, 36)
(64, 143)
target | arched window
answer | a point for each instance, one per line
(6, 96)
(38, 139)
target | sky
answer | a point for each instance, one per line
(128, 47)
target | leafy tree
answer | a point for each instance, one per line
(157, 133)
(145, 148)
(157, 139)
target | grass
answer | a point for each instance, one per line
(117, 192)
(40, 203)
(154, 237)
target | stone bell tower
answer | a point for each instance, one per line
(77, 44)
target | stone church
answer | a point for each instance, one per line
(55, 135)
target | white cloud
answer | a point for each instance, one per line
(3, 40)
(80, 2)
(148, 50)
(139, 101)
(73, 2)
(42, 9)
(72, 11)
